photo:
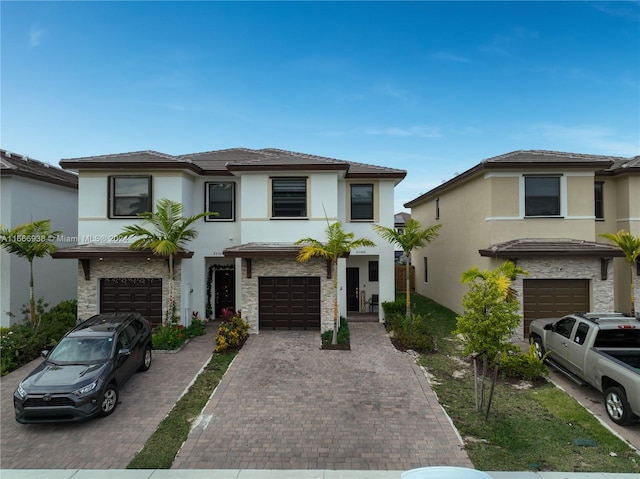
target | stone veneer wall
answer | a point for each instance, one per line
(602, 291)
(285, 267)
(89, 290)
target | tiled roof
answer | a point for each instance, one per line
(224, 162)
(554, 157)
(19, 165)
(535, 247)
(529, 159)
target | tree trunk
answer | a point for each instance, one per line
(408, 285)
(633, 301)
(334, 338)
(32, 297)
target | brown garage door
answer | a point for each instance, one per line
(552, 298)
(142, 295)
(289, 303)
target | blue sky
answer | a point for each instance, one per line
(429, 87)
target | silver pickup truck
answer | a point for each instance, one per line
(600, 349)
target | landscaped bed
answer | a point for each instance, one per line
(532, 425)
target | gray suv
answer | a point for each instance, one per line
(81, 376)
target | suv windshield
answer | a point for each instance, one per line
(82, 350)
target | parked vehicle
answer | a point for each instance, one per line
(599, 349)
(80, 378)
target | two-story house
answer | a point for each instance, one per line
(31, 190)
(244, 257)
(543, 210)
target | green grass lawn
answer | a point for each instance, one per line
(541, 428)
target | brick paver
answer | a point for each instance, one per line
(286, 404)
(103, 443)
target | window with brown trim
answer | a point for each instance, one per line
(599, 199)
(220, 199)
(289, 197)
(362, 202)
(129, 195)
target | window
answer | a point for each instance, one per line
(426, 270)
(362, 202)
(129, 195)
(220, 198)
(373, 271)
(542, 196)
(289, 197)
(599, 198)
(437, 208)
(581, 333)
(564, 327)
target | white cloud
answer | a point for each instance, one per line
(36, 33)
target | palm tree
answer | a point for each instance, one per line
(171, 231)
(411, 237)
(30, 241)
(339, 243)
(630, 246)
(503, 275)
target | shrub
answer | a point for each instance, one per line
(412, 332)
(168, 337)
(394, 307)
(343, 334)
(198, 327)
(232, 333)
(23, 342)
(528, 366)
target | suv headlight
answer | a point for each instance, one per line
(84, 390)
(21, 392)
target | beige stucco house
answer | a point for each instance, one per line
(245, 257)
(543, 210)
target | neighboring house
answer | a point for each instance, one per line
(543, 210)
(245, 257)
(31, 190)
(399, 220)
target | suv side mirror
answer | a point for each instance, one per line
(549, 327)
(44, 353)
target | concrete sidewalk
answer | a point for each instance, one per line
(270, 474)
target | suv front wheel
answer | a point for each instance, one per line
(109, 400)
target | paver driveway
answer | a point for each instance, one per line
(285, 404)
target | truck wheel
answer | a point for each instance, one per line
(537, 343)
(615, 401)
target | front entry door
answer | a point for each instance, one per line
(225, 290)
(353, 284)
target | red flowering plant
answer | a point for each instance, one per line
(168, 337)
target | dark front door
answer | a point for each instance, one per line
(225, 290)
(353, 291)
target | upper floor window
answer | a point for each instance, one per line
(289, 197)
(542, 196)
(129, 195)
(362, 202)
(599, 199)
(220, 198)
(437, 208)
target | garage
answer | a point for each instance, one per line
(551, 298)
(289, 303)
(142, 295)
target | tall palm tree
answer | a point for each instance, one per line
(30, 241)
(630, 246)
(170, 232)
(339, 243)
(503, 275)
(411, 237)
